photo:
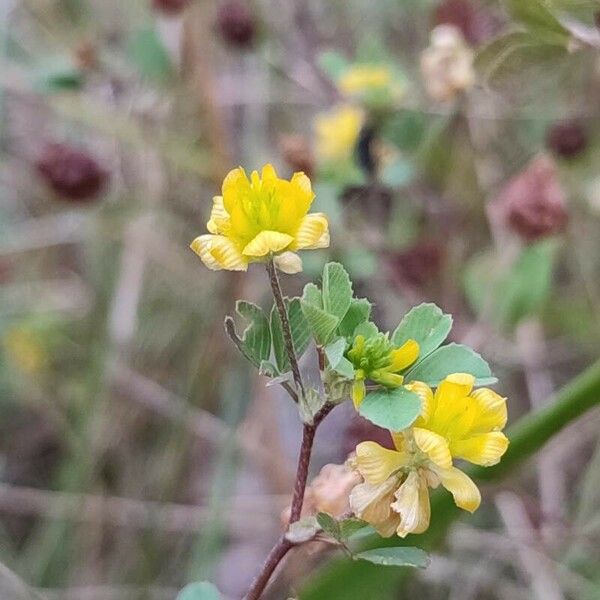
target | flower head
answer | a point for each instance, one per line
(260, 217)
(337, 132)
(455, 422)
(363, 78)
(377, 359)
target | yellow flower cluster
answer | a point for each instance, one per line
(455, 422)
(261, 217)
(337, 132)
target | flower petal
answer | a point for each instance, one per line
(267, 242)
(234, 185)
(312, 233)
(372, 502)
(218, 252)
(404, 356)
(434, 445)
(426, 395)
(219, 217)
(376, 463)
(461, 486)
(454, 387)
(492, 408)
(484, 449)
(412, 504)
(288, 262)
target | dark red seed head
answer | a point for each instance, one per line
(567, 139)
(236, 23)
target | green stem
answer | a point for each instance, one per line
(357, 580)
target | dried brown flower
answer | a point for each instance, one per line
(297, 153)
(236, 23)
(567, 139)
(476, 22)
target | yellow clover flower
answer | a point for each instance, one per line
(261, 217)
(337, 132)
(364, 78)
(456, 422)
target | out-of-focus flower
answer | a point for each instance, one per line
(371, 82)
(567, 139)
(297, 153)
(455, 422)
(337, 132)
(236, 23)
(169, 7)
(476, 23)
(24, 350)
(71, 172)
(533, 203)
(261, 217)
(447, 64)
(377, 359)
(328, 492)
(86, 55)
(417, 264)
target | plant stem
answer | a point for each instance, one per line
(283, 545)
(285, 325)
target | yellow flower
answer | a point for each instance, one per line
(337, 132)
(261, 217)
(25, 350)
(456, 422)
(361, 79)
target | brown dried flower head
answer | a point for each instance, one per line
(236, 23)
(297, 153)
(476, 22)
(567, 139)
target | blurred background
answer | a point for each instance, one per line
(455, 146)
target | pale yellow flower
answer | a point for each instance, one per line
(447, 64)
(24, 350)
(337, 132)
(259, 218)
(455, 422)
(363, 78)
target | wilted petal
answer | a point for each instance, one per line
(372, 502)
(412, 504)
(288, 262)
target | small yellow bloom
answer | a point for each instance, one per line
(364, 78)
(261, 217)
(456, 422)
(337, 132)
(24, 350)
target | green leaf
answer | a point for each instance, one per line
(333, 63)
(337, 361)
(406, 556)
(268, 369)
(394, 409)
(427, 325)
(453, 358)
(299, 329)
(57, 74)
(337, 290)
(536, 16)
(329, 525)
(351, 526)
(149, 54)
(201, 590)
(367, 329)
(358, 312)
(255, 343)
(321, 323)
(312, 295)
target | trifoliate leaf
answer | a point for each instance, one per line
(401, 556)
(337, 290)
(358, 312)
(201, 590)
(299, 329)
(329, 525)
(255, 343)
(312, 295)
(453, 358)
(350, 527)
(322, 324)
(303, 530)
(427, 325)
(394, 409)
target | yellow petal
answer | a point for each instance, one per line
(404, 356)
(492, 409)
(412, 504)
(454, 387)
(372, 502)
(312, 233)
(426, 395)
(218, 252)
(268, 173)
(302, 185)
(434, 445)
(376, 463)
(234, 185)
(219, 217)
(267, 242)
(461, 486)
(358, 392)
(484, 449)
(288, 262)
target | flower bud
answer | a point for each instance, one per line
(71, 172)
(169, 7)
(297, 153)
(236, 23)
(533, 203)
(566, 139)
